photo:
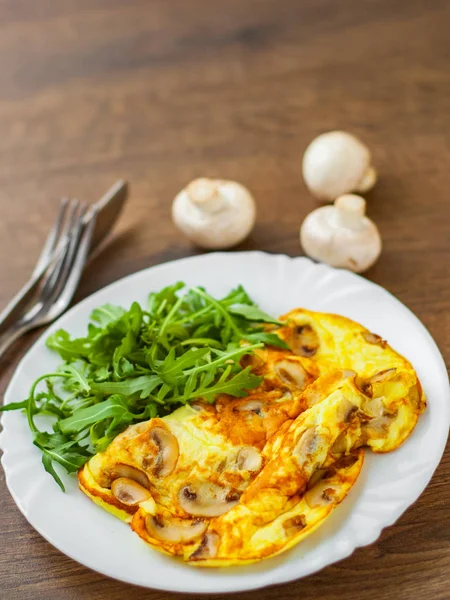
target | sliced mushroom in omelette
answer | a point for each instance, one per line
(247, 478)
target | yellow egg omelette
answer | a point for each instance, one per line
(247, 478)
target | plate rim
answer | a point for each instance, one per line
(244, 586)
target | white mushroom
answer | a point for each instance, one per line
(127, 472)
(346, 410)
(214, 213)
(384, 375)
(337, 163)
(128, 491)
(303, 340)
(321, 494)
(293, 525)
(341, 235)
(205, 499)
(174, 530)
(208, 547)
(254, 406)
(291, 373)
(165, 453)
(248, 459)
(308, 443)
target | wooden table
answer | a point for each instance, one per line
(162, 91)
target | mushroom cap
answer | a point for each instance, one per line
(214, 213)
(341, 235)
(167, 451)
(128, 491)
(174, 530)
(206, 499)
(335, 163)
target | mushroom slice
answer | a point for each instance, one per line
(174, 530)
(346, 410)
(378, 427)
(307, 443)
(294, 524)
(167, 452)
(291, 373)
(128, 472)
(205, 499)
(374, 407)
(128, 491)
(321, 494)
(207, 548)
(254, 406)
(248, 459)
(373, 338)
(303, 340)
(383, 375)
(364, 386)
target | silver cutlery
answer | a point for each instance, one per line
(77, 231)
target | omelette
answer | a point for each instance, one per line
(246, 478)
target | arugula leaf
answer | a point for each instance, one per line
(237, 385)
(106, 314)
(252, 313)
(47, 461)
(68, 349)
(14, 406)
(144, 384)
(271, 339)
(115, 406)
(172, 367)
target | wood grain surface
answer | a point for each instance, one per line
(162, 91)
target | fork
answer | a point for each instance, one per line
(108, 208)
(57, 272)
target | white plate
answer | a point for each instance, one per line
(388, 483)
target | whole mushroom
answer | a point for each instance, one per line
(214, 213)
(341, 235)
(337, 163)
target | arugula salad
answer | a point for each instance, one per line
(141, 363)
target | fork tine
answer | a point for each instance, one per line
(74, 270)
(76, 234)
(66, 238)
(52, 238)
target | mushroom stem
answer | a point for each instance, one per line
(350, 210)
(205, 194)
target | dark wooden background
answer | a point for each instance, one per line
(162, 91)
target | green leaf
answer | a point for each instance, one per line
(14, 406)
(47, 461)
(238, 296)
(68, 349)
(237, 385)
(252, 313)
(101, 374)
(106, 314)
(173, 368)
(112, 407)
(271, 339)
(157, 301)
(77, 378)
(143, 384)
